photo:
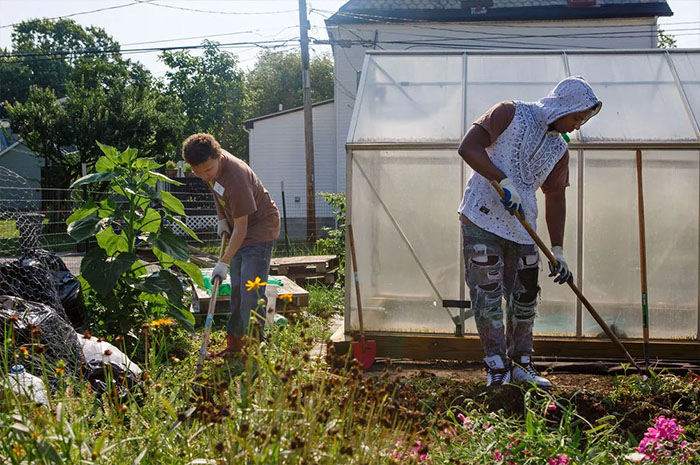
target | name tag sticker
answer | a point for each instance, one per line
(218, 188)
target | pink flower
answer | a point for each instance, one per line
(552, 406)
(497, 455)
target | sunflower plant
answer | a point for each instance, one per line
(134, 213)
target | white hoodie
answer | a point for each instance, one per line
(525, 152)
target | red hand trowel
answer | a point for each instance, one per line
(363, 351)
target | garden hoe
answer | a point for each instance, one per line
(363, 351)
(573, 287)
(210, 313)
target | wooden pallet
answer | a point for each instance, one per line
(300, 299)
(306, 265)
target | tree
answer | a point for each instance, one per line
(36, 38)
(117, 102)
(211, 89)
(665, 40)
(276, 79)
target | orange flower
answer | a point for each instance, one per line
(163, 322)
(24, 351)
(250, 285)
(59, 371)
(286, 297)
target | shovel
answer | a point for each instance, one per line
(210, 313)
(573, 286)
(363, 351)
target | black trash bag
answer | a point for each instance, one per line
(67, 285)
(37, 330)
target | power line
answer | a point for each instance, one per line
(124, 5)
(196, 10)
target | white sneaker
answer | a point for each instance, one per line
(496, 371)
(523, 371)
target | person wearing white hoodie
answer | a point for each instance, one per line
(522, 146)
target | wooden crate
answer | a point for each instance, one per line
(300, 298)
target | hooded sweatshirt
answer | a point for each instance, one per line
(526, 152)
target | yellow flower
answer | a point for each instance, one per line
(286, 297)
(24, 351)
(162, 322)
(250, 285)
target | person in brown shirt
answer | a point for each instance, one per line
(242, 202)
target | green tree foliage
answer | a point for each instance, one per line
(665, 40)
(115, 101)
(211, 88)
(37, 37)
(276, 78)
(133, 214)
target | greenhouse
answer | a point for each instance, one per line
(405, 181)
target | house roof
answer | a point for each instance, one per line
(399, 11)
(250, 122)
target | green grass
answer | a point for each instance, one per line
(289, 405)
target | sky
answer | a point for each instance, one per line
(161, 23)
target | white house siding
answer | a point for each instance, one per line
(591, 34)
(277, 153)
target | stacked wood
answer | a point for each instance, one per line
(307, 269)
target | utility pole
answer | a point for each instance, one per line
(308, 123)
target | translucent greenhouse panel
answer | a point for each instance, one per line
(411, 98)
(641, 100)
(557, 309)
(688, 68)
(611, 242)
(401, 199)
(671, 200)
(494, 78)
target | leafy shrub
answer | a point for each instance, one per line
(132, 214)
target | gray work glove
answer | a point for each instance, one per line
(223, 227)
(512, 200)
(561, 273)
(220, 271)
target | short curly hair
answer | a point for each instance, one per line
(199, 148)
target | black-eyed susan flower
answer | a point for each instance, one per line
(251, 285)
(286, 297)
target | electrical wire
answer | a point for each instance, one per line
(135, 2)
(196, 10)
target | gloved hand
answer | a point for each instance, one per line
(220, 271)
(562, 272)
(223, 227)
(512, 200)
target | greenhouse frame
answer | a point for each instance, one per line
(405, 181)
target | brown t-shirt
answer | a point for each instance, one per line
(498, 118)
(238, 192)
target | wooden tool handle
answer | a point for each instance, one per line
(573, 287)
(357, 280)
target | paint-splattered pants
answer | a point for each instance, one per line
(497, 268)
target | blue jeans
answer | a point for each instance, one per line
(495, 269)
(250, 262)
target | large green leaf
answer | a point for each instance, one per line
(163, 281)
(112, 242)
(164, 178)
(104, 163)
(171, 244)
(192, 271)
(96, 177)
(110, 152)
(82, 212)
(182, 315)
(146, 164)
(172, 203)
(184, 227)
(103, 272)
(85, 228)
(150, 222)
(128, 156)
(108, 207)
(166, 261)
